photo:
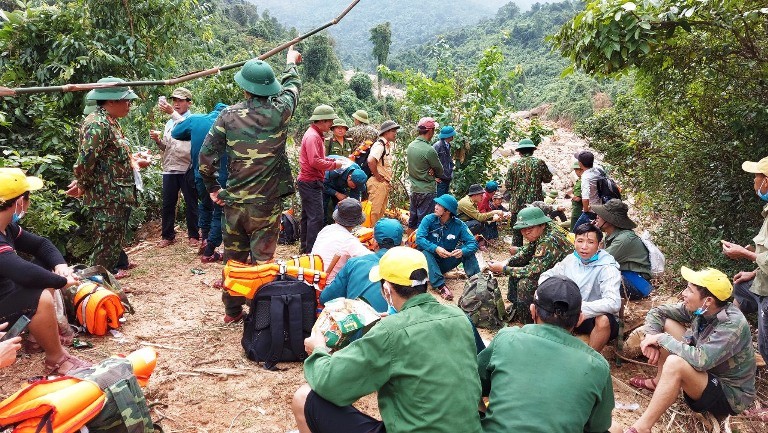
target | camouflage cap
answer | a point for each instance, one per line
(182, 93)
(323, 112)
(362, 116)
(257, 78)
(114, 92)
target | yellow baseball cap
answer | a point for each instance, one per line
(715, 281)
(13, 183)
(397, 265)
(756, 167)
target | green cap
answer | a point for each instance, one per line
(525, 143)
(323, 112)
(257, 78)
(115, 93)
(529, 217)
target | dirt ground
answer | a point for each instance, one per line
(203, 381)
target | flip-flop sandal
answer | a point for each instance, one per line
(631, 430)
(66, 364)
(642, 383)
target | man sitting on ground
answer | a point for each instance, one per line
(422, 362)
(340, 183)
(599, 279)
(542, 353)
(626, 247)
(491, 188)
(712, 361)
(546, 246)
(476, 221)
(352, 280)
(446, 241)
(337, 239)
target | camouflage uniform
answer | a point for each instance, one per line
(105, 173)
(525, 267)
(333, 147)
(721, 345)
(523, 183)
(359, 135)
(252, 133)
(576, 206)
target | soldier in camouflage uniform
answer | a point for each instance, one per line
(523, 182)
(252, 133)
(106, 176)
(546, 246)
(712, 360)
(362, 135)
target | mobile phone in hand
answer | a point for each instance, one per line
(17, 328)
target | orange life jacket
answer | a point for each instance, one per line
(97, 308)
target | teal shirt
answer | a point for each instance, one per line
(352, 282)
(421, 157)
(422, 361)
(540, 378)
(629, 250)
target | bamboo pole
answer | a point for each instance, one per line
(5, 91)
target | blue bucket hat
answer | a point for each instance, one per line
(491, 186)
(388, 228)
(449, 203)
(358, 177)
(446, 132)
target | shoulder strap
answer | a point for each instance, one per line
(277, 328)
(295, 328)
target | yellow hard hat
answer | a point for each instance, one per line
(715, 281)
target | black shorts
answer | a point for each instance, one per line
(588, 325)
(16, 302)
(325, 417)
(712, 400)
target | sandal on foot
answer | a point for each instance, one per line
(642, 383)
(445, 293)
(66, 364)
(122, 273)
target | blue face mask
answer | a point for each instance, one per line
(17, 216)
(390, 308)
(589, 260)
(763, 195)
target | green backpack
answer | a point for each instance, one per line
(482, 301)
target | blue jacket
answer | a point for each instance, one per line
(432, 234)
(194, 128)
(443, 150)
(352, 282)
(336, 181)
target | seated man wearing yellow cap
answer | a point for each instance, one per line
(26, 288)
(703, 346)
(421, 360)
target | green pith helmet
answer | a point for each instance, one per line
(529, 217)
(362, 116)
(116, 93)
(90, 103)
(525, 143)
(339, 122)
(257, 77)
(323, 112)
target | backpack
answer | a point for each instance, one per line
(281, 316)
(482, 301)
(289, 229)
(607, 187)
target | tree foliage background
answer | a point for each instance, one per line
(698, 109)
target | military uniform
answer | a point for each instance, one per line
(576, 206)
(362, 137)
(525, 267)
(252, 133)
(523, 182)
(333, 147)
(105, 173)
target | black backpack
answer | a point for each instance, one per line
(289, 229)
(281, 316)
(606, 187)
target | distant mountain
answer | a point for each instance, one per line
(413, 22)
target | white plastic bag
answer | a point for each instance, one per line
(654, 254)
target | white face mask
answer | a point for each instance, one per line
(388, 297)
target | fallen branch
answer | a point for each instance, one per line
(162, 346)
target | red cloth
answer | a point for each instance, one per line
(312, 161)
(485, 203)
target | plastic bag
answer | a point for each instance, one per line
(654, 254)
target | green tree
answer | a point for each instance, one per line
(381, 36)
(361, 84)
(699, 108)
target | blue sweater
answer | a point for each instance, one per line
(432, 234)
(352, 282)
(194, 128)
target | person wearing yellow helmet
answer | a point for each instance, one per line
(702, 345)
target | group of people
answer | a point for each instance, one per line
(232, 169)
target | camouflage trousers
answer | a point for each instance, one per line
(109, 226)
(520, 294)
(249, 230)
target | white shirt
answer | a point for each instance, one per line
(589, 185)
(337, 240)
